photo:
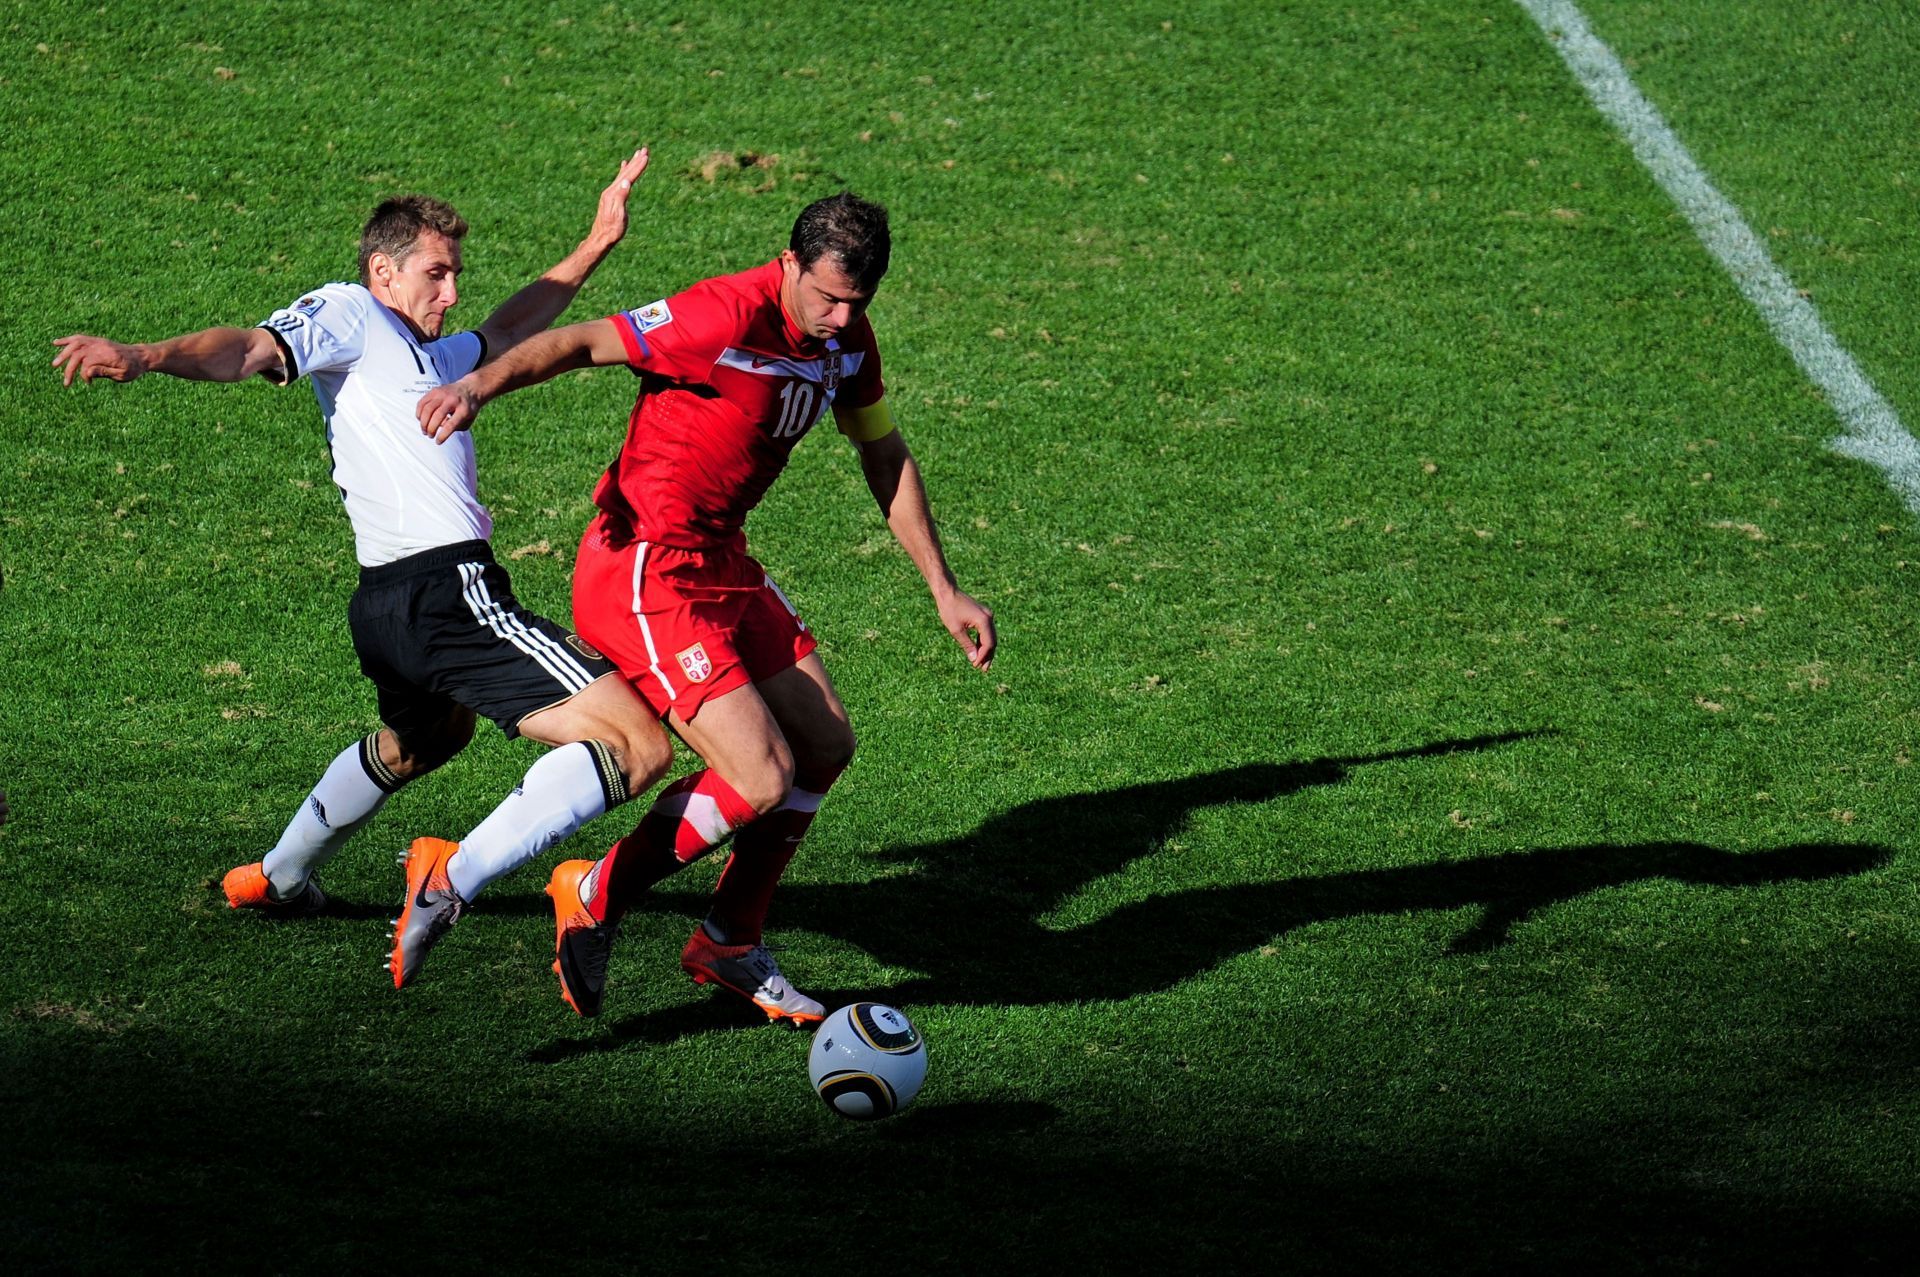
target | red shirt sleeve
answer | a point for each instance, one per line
(678, 337)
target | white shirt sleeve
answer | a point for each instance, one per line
(457, 355)
(325, 329)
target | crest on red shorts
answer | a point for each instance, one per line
(694, 661)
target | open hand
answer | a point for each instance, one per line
(610, 223)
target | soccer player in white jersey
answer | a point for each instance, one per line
(434, 620)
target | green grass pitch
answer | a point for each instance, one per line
(1446, 798)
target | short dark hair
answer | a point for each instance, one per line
(394, 228)
(851, 229)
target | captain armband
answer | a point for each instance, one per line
(864, 425)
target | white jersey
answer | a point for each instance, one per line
(404, 492)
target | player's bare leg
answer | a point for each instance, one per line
(811, 718)
(611, 712)
(737, 736)
(814, 723)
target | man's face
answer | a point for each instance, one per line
(421, 287)
(822, 299)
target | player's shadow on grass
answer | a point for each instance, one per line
(969, 914)
(969, 918)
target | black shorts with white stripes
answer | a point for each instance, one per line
(442, 627)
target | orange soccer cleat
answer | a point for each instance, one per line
(432, 907)
(581, 946)
(247, 888)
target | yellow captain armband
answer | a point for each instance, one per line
(864, 425)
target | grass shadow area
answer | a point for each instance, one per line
(138, 1145)
(135, 1152)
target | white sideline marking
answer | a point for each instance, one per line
(1872, 430)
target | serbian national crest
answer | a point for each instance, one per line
(694, 661)
(830, 370)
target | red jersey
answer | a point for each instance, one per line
(728, 386)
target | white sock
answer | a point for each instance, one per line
(344, 800)
(561, 792)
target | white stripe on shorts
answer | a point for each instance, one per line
(549, 655)
(781, 594)
(646, 635)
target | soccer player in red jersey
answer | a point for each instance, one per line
(733, 373)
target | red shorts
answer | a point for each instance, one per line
(684, 626)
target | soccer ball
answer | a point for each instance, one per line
(867, 1061)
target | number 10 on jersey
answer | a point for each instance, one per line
(796, 409)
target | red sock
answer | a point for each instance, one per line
(693, 814)
(761, 852)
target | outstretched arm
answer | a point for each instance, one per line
(894, 478)
(544, 300)
(212, 354)
(452, 407)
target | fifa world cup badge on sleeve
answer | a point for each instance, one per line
(694, 661)
(652, 315)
